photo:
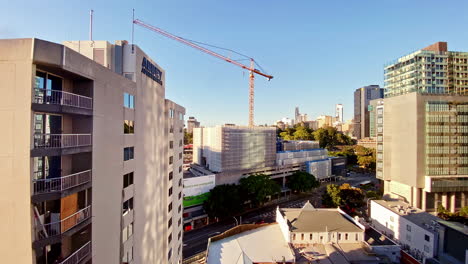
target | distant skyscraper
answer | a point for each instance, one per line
(424, 155)
(362, 96)
(339, 113)
(297, 115)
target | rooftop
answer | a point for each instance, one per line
(310, 219)
(412, 214)
(264, 244)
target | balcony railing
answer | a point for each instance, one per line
(61, 140)
(45, 96)
(62, 183)
(57, 228)
(78, 255)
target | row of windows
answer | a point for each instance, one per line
(311, 236)
(447, 139)
(447, 149)
(172, 113)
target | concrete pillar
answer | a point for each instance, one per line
(444, 200)
(284, 181)
(463, 199)
(423, 201)
(452, 202)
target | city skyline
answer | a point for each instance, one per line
(343, 51)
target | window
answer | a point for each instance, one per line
(128, 153)
(169, 207)
(339, 236)
(171, 144)
(127, 232)
(169, 238)
(128, 256)
(180, 143)
(408, 227)
(170, 191)
(392, 218)
(180, 130)
(171, 129)
(426, 249)
(179, 222)
(129, 101)
(169, 223)
(427, 238)
(180, 182)
(171, 160)
(310, 237)
(302, 236)
(127, 206)
(181, 116)
(169, 254)
(180, 195)
(179, 209)
(180, 168)
(346, 236)
(294, 236)
(180, 155)
(171, 113)
(179, 235)
(408, 237)
(170, 175)
(127, 179)
(129, 127)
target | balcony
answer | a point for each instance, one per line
(60, 144)
(54, 188)
(56, 101)
(50, 233)
(81, 254)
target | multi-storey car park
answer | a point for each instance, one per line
(91, 155)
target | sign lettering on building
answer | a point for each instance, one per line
(150, 70)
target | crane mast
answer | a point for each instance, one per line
(251, 68)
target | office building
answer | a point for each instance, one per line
(86, 154)
(324, 121)
(375, 109)
(298, 117)
(339, 113)
(234, 148)
(453, 238)
(425, 138)
(191, 124)
(362, 97)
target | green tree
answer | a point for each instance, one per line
(303, 133)
(302, 181)
(329, 137)
(367, 162)
(351, 196)
(188, 138)
(224, 201)
(373, 195)
(288, 133)
(331, 198)
(258, 187)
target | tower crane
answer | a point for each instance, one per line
(192, 44)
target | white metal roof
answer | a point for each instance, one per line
(265, 244)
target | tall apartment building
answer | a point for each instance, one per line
(233, 148)
(425, 139)
(191, 124)
(375, 109)
(339, 113)
(86, 156)
(324, 121)
(362, 96)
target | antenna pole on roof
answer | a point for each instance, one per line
(91, 24)
(133, 29)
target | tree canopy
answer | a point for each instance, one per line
(343, 196)
(224, 201)
(302, 181)
(258, 187)
(329, 137)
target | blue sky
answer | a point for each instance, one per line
(319, 52)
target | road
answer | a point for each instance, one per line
(195, 241)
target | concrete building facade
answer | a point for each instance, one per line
(362, 97)
(339, 113)
(84, 154)
(425, 134)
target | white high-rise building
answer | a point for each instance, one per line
(339, 113)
